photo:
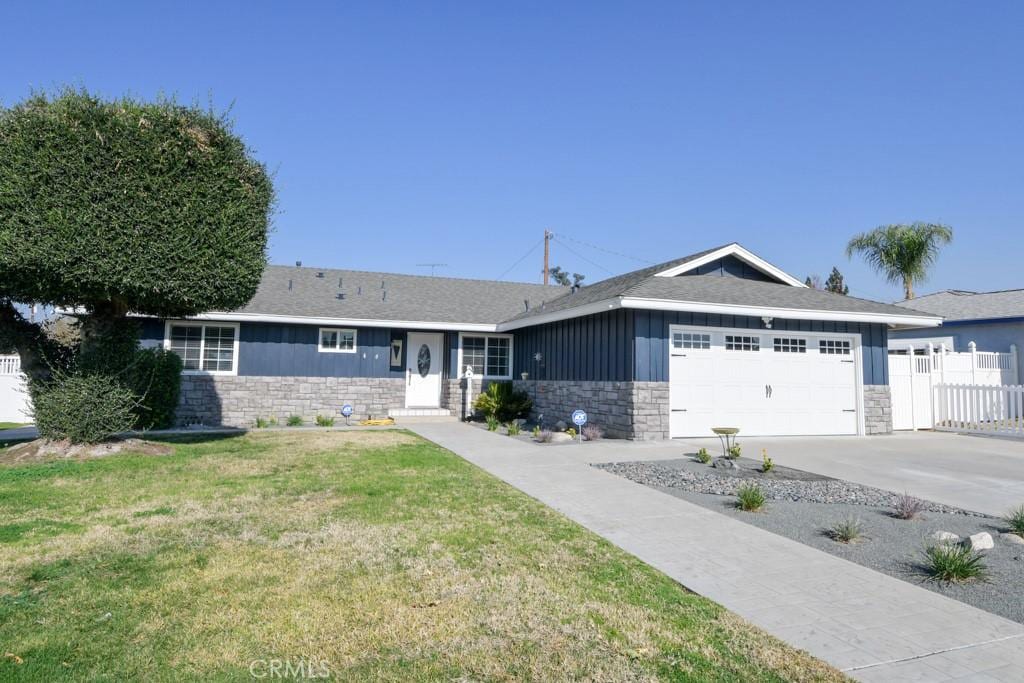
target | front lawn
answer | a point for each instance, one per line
(374, 554)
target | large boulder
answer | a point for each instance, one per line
(725, 464)
(1010, 537)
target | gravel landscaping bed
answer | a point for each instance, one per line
(804, 509)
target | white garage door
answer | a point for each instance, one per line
(762, 381)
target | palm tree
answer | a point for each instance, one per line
(902, 253)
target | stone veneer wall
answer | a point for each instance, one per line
(453, 394)
(877, 409)
(625, 410)
(237, 401)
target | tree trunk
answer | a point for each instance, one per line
(908, 288)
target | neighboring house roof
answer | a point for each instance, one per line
(955, 304)
(310, 295)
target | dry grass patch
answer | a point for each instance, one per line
(380, 554)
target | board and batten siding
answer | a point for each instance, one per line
(593, 348)
(730, 266)
(652, 339)
(276, 350)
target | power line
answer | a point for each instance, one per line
(521, 259)
(573, 251)
(607, 251)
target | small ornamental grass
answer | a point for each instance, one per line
(324, 421)
(294, 421)
(592, 433)
(262, 423)
(907, 507)
(954, 563)
(536, 431)
(544, 436)
(849, 530)
(1015, 518)
(513, 428)
(493, 423)
(750, 498)
(703, 456)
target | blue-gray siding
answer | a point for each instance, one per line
(733, 267)
(592, 348)
(275, 350)
(625, 345)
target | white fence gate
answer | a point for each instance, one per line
(979, 409)
(14, 403)
(912, 379)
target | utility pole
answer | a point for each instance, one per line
(547, 252)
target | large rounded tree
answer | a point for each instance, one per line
(112, 207)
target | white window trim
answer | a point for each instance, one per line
(488, 337)
(339, 330)
(202, 344)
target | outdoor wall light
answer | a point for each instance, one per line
(767, 320)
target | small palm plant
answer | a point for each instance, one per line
(902, 253)
(513, 428)
(749, 498)
(767, 464)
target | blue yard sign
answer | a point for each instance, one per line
(346, 410)
(579, 418)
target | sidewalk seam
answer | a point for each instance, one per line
(930, 654)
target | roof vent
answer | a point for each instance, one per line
(382, 284)
(359, 289)
(298, 264)
(526, 304)
(339, 296)
(339, 282)
(320, 275)
(384, 296)
(289, 284)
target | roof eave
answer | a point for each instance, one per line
(345, 322)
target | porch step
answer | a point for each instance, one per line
(419, 412)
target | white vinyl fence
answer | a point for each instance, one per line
(979, 409)
(14, 403)
(913, 379)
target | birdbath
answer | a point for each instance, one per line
(727, 435)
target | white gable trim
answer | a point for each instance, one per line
(742, 254)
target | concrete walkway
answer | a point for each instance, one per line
(872, 626)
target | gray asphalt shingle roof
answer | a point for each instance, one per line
(389, 296)
(312, 293)
(961, 305)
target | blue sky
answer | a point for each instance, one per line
(408, 133)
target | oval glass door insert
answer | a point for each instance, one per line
(423, 360)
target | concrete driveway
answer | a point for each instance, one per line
(977, 473)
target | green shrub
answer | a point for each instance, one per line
(83, 408)
(571, 431)
(504, 402)
(907, 506)
(262, 423)
(536, 431)
(155, 377)
(954, 563)
(703, 456)
(513, 428)
(493, 423)
(1015, 518)
(849, 530)
(734, 451)
(294, 421)
(767, 464)
(749, 498)
(324, 421)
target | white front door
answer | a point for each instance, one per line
(423, 363)
(764, 382)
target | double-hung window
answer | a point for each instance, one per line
(204, 348)
(490, 356)
(336, 340)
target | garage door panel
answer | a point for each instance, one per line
(811, 391)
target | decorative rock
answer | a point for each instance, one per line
(725, 464)
(1011, 538)
(945, 537)
(980, 541)
(560, 437)
(561, 426)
